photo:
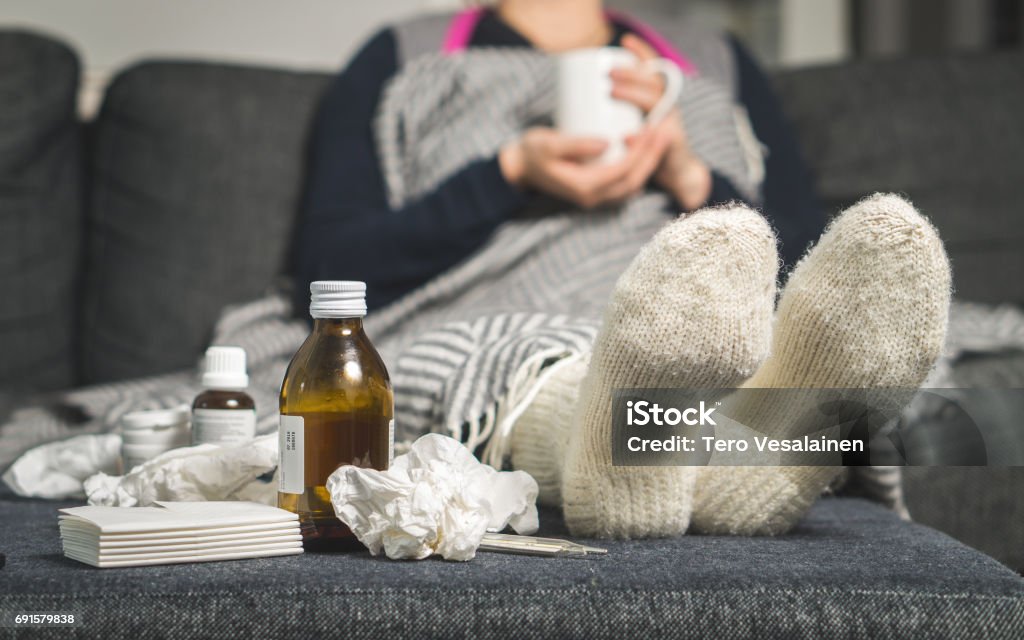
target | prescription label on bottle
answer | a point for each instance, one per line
(291, 455)
(223, 426)
(391, 442)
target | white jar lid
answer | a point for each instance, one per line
(337, 299)
(156, 419)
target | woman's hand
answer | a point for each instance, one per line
(563, 166)
(679, 171)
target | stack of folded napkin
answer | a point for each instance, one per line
(176, 532)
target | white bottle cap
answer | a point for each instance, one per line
(225, 368)
(337, 299)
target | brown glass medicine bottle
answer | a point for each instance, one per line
(337, 408)
(224, 413)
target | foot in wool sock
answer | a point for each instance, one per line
(693, 310)
(866, 308)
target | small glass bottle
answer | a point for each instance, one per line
(224, 414)
(337, 408)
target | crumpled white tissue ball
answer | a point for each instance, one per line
(435, 499)
(56, 470)
(203, 472)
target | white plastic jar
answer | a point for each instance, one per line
(147, 434)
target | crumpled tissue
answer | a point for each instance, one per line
(56, 470)
(203, 472)
(435, 499)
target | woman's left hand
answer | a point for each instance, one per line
(679, 172)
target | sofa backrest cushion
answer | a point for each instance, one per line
(197, 172)
(946, 131)
(40, 211)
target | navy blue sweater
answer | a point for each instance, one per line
(347, 230)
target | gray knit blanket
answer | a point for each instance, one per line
(464, 349)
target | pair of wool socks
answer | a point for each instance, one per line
(866, 308)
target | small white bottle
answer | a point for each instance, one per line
(147, 434)
(224, 414)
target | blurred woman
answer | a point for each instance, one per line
(398, 247)
(529, 280)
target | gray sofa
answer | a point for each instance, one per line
(122, 238)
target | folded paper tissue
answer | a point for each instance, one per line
(435, 499)
(177, 532)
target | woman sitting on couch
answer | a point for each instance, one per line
(436, 178)
(400, 248)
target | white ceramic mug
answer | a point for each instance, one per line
(584, 103)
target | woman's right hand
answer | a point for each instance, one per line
(561, 165)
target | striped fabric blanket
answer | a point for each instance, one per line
(475, 365)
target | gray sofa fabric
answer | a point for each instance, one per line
(946, 131)
(979, 506)
(196, 179)
(852, 569)
(40, 212)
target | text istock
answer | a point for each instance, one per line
(794, 427)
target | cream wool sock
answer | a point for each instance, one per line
(866, 308)
(541, 433)
(693, 310)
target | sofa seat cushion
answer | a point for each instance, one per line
(851, 569)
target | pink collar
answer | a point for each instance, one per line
(462, 26)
